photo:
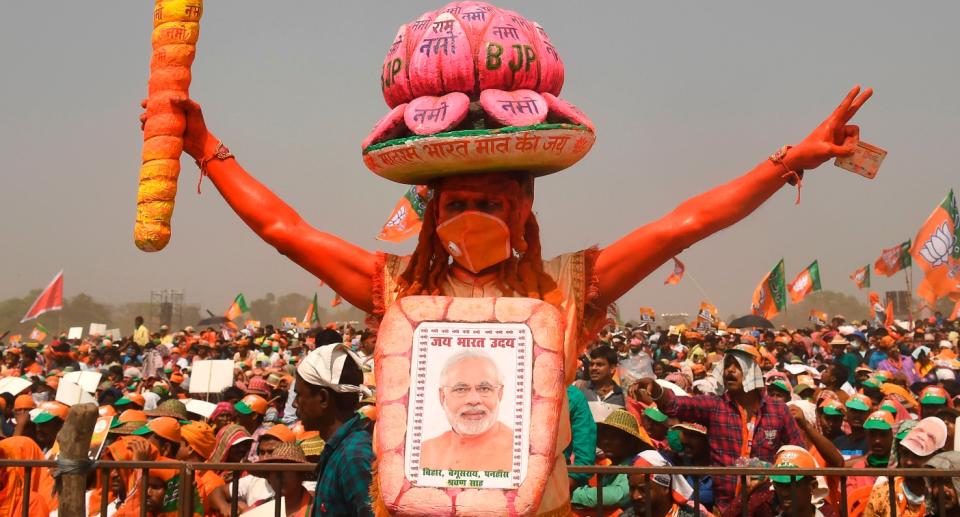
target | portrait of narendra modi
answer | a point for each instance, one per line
(470, 393)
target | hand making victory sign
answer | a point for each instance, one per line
(349, 269)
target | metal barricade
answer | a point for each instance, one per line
(188, 477)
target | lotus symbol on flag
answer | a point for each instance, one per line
(801, 284)
(936, 250)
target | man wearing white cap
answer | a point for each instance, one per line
(327, 397)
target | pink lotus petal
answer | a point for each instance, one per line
(431, 115)
(516, 108)
(507, 58)
(393, 77)
(441, 61)
(561, 109)
(551, 66)
(390, 126)
(474, 17)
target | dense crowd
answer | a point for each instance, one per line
(845, 394)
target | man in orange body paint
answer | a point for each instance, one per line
(350, 270)
(497, 206)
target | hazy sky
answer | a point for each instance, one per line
(685, 95)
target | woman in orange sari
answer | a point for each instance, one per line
(13, 478)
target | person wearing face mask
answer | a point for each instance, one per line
(917, 447)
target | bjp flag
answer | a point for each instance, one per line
(937, 252)
(677, 274)
(888, 313)
(806, 282)
(647, 315)
(818, 318)
(238, 307)
(336, 301)
(770, 297)
(893, 259)
(707, 316)
(861, 277)
(955, 313)
(407, 217)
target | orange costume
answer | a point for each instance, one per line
(480, 237)
(41, 484)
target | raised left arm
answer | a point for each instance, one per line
(629, 260)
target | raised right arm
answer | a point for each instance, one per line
(345, 267)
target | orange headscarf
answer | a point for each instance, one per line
(41, 483)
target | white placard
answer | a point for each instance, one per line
(97, 329)
(475, 377)
(89, 381)
(75, 333)
(14, 385)
(211, 376)
(200, 407)
(114, 334)
(601, 410)
(71, 394)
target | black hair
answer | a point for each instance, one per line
(605, 352)
(842, 374)
(231, 393)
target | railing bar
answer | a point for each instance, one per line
(186, 491)
(25, 511)
(599, 495)
(144, 482)
(793, 495)
(234, 492)
(892, 493)
(277, 495)
(647, 503)
(696, 494)
(105, 491)
(743, 496)
(843, 496)
(940, 509)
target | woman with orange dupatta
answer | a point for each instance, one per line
(12, 479)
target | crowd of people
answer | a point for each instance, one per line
(845, 394)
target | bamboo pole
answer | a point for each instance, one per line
(74, 439)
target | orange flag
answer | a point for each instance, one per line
(893, 259)
(955, 313)
(707, 316)
(336, 301)
(888, 321)
(937, 252)
(806, 282)
(678, 269)
(647, 315)
(407, 217)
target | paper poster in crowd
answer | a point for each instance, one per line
(75, 333)
(14, 385)
(114, 334)
(99, 438)
(211, 376)
(200, 407)
(89, 381)
(70, 393)
(98, 329)
(472, 379)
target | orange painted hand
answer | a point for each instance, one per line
(832, 138)
(197, 140)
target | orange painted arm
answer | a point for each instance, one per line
(629, 260)
(345, 267)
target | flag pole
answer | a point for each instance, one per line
(699, 287)
(908, 278)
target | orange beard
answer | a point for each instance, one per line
(522, 274)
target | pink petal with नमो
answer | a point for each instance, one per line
(507, 57)
(516, 108)
(393, 77)
(388, 127)
(430, 115)
(474, 18)
(441, 61)
(415, 29)
(563, 111)
(551, 66)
